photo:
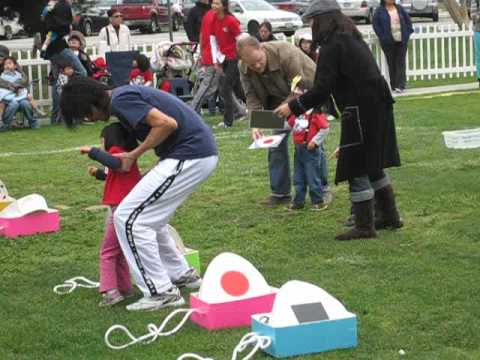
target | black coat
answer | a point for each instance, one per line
(59, 21)
(194, 21)
(347, 69)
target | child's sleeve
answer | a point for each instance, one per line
(101, 174)
(105, 158)
(321, 123)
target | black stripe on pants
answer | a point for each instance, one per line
(157, 194)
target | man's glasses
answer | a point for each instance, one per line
(118, 16)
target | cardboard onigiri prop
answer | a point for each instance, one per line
(305, 319)
(27, 216)
(192, 256)
(232, 291)
(5, 199)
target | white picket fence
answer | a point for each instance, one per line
(435, 51)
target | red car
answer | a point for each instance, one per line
(146, 15)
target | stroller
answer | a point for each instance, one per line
(173, 64)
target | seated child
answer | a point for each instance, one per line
(115, 284)
(141, 73)
(309, 133)
(66, 71)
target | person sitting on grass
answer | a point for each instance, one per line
(16, 98)
(115, 284)
(141, 73)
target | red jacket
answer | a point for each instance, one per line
(226, 31)
(305, 127)
(205, 32)
(119, 184)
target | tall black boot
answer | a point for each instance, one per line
(386, 213)
(364, 225)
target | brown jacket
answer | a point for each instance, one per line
(284, 62)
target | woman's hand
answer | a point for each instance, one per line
(85, 149)
(335, 154)
(283, 111)
(256, 134)
(218, 68)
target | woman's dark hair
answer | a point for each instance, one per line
(330, 23)
(80, 96)
(226, 8)
(117, 135)
(142, 62)
(266, 24)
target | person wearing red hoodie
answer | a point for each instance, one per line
(211, 78)
(223, 39)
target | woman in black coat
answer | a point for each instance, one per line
(393, 27)
(368, 144)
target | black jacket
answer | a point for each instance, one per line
(347, 69)
(59, 20)
(194, 21)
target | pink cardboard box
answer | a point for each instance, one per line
(230, 314)
(35, 223)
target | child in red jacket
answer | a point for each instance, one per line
(309, 133)
(115, 282)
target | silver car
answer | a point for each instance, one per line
(421, 8)
(359, 9)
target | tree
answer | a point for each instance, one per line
(29, 11)
(458, 11)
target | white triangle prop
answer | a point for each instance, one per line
(27, 205)
(298, 293)
(230, 277)
(176, 236)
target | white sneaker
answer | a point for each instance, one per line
(221, 125)
(191, 279)
(171, 297)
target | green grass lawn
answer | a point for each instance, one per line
(414, 289)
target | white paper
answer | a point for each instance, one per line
(266, 142)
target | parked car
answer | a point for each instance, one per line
(251, 13)
(186, 7)
(359, 9)
(148, 15)
(296, 6)
(421, 8)
(10, 27)
(89, 16)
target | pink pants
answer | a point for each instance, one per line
(114, 272)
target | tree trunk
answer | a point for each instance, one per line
(458, 12)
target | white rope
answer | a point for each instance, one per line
(153, 331)
(258, 342)
(254, 339)
(71, 284)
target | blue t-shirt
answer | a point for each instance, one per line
(192, 139)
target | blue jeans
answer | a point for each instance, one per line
(15, 106)
(69, 55)
(308, 173)
(362, 188)
(279, 167)
(324, 169)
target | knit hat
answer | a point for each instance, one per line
(79, 36)
(318, 7)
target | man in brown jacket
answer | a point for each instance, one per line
(266, 72)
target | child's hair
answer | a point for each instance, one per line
(64, 63)
(142, 62)
(12, 59)
(117, 135)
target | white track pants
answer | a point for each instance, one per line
(141, 219)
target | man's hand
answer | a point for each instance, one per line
(311, 146)
(256, 134)
(92, 170)
(85, 149)
(335, 154)
(283, 111)
(128, 159)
